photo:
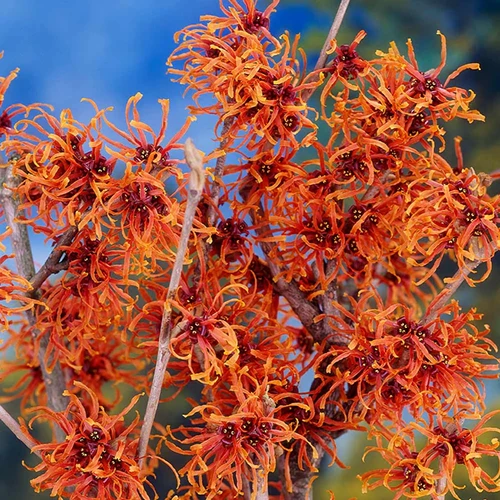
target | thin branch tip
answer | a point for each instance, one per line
(194, 160)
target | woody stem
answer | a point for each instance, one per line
(196, 182)
(332, 34)
(218, 173)
(14, 426)
(53, 263)
(302, 479)
(448, 291)
(54, 380)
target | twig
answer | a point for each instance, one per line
(196, 182)
(302, 479)
(19, 237)
(332, 34)
(331, 295)
(215, 189)
(442, 298)
(305, 310)
(259, 491)
(14, 426)
(334, 29)
(247, 491)
(218, 173)
(54, 381)
(495, 175)
(440, 487)
(52, 264)
(260, 487)
(320, 330)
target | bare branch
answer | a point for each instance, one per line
(305, 311)
(442, 298)
(302, 479)
(260, 487)
(196, 183)
(21, 244)
(14, 426)
(334, 29)
(54, 380)
(53, 265)
(441, 486)
(217, 174)
(247, 492)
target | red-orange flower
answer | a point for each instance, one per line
(12, 288)
(97, 458)
(405, 475)
(392, 362)
(150, 153)
(226, 448)
(455, 444)
(258, 90)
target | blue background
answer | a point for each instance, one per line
(108, 50)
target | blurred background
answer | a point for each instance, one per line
(109, 50)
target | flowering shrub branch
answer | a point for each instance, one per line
(196, 183)
(292, 256)
(53, 379)
(54, 264)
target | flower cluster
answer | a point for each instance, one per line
(295, 263)
(97, 458)
(234, 440)
(412, 472)
(255, 79)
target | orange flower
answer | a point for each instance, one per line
(148, 217)
(209, 338)
(405, 475)
(62, 179)
(455, 445)
(347, 65)
(454, 216)
(141, 151)
(392, 362)
(226, 448)
(259, 97)
(324, 265)
(8, 113)
(97, 458)
(246, 18)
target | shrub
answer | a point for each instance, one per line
(276, 255)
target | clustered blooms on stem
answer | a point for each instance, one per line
(305, 255)
(96, 460)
